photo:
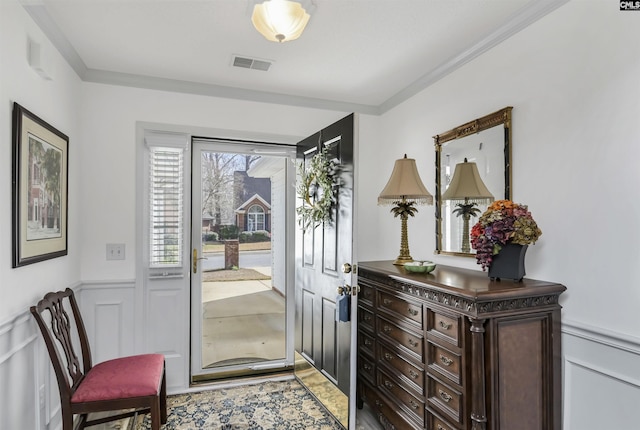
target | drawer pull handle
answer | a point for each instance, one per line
(388, 356)
(388, 384)
(368, 342)
(413, 312)
(444, 325)
(413, 404)
(413, 373)
(367, 367)
(413, 343)
(441, 428)
(387, 329)
(379, 404)
(446, 360)
(387, 301)
(367, 317)
(445, 396)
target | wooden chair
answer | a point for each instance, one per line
(135, 382)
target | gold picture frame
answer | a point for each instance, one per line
(490, 134)
(39, 189)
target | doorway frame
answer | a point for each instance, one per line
(287, 152)
(176, 346)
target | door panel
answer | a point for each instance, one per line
(323, 350)
(307, 324)
(329, 339)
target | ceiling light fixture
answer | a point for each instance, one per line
(281, 20)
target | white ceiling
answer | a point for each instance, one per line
(355, 55)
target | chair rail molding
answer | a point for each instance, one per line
(603, 336)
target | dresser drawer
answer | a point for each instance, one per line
(367, 294)
(366, 368)
(409, 311)
(413, 374)
(444, 326)
(397, 392)
(435, 423)
(386, 411)
(367, 343)
(365, 319)
(411, 341)
(445, 399)
(445, 362)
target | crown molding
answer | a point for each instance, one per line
(179, 86)
(532, 12)
(39, 14)
(526, 16)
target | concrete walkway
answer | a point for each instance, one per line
(243, 321)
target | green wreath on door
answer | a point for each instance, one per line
(317, 190)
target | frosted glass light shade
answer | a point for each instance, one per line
(280, 20)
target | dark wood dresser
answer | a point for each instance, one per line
(453, 350)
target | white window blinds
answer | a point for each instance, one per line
(166, 200)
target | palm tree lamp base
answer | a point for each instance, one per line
(402, 259)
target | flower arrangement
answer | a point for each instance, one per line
(503, 222)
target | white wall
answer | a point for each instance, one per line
(56, 102)
(24, 368)
(108, 160)
(573, 81)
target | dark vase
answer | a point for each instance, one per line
(508, 263)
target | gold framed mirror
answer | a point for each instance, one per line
(473, 168)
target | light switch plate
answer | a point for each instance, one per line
(115, 251)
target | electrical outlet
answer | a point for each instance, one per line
(115, 251)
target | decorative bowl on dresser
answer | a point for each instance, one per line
(453, 350)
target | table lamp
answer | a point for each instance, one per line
(404, 190)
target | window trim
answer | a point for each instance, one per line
(160, 142)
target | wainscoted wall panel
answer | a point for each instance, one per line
(592, 357)
(165, 329)
(608, 361)
(18, 346)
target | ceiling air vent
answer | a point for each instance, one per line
(251, 63)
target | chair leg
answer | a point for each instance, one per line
(67, 422)
(155, 413)
(163, 399)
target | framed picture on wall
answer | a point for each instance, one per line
(40, 174)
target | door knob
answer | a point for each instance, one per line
(346, 289)
(346, 268)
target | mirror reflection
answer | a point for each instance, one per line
(473, 169)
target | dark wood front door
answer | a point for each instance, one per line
(322, 344)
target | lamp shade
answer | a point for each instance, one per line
(405, 184)
(280, 20)
(467, 185)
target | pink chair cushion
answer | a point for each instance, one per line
(134, 376)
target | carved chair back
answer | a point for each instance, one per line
(59, 335)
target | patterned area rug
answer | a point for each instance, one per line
(284, 405)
